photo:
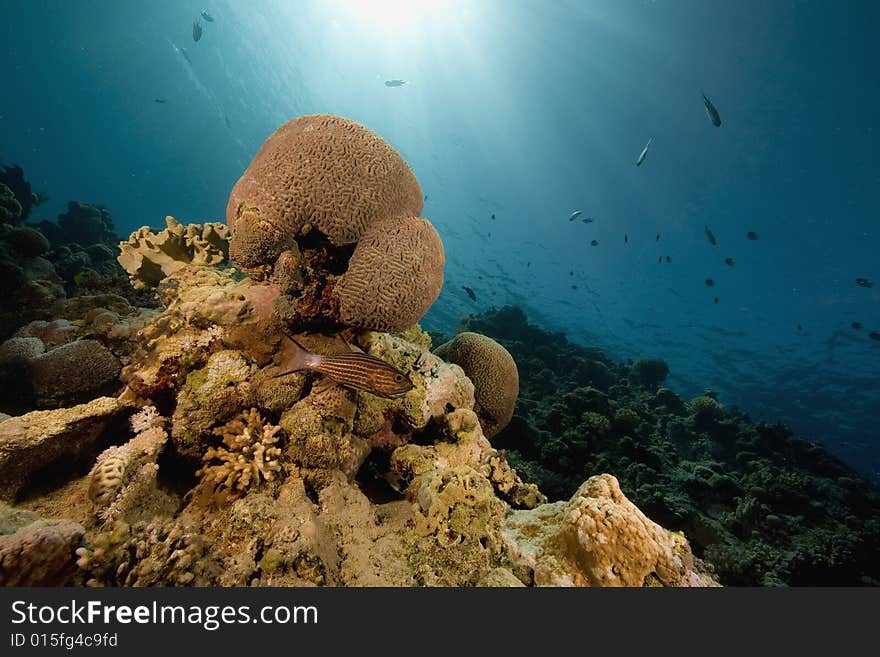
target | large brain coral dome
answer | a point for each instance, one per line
(319, 184)
(493, 372)
(328, 172)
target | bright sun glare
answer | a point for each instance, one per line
(395, 15)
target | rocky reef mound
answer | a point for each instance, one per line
(217, 462)
(762, 505)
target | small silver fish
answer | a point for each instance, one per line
(644, 153)
(207, 17)
(574, 215)
(711, 111)
(197, 30)
(395, 83)
(353, 370)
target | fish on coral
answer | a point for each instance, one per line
(354, 369)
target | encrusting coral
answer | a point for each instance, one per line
(40, 553)
(598, 538)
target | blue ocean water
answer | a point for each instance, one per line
(528, 111)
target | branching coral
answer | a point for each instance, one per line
(250, 454)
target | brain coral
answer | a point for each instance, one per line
(324, 171)
(394, 275)
(73, 372)
(493, 372)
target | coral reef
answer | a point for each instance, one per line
(763, 506)
(150, 257)
(213, 467)
(493, 371)
(228, 480)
